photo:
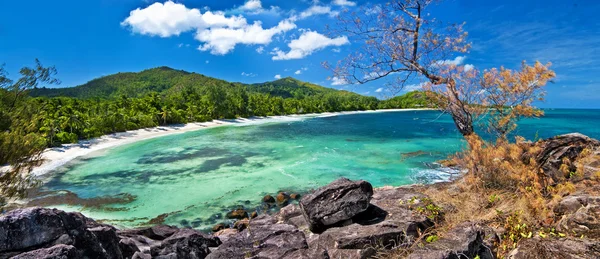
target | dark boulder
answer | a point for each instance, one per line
(390, 221)
(463, 241)
(337, 202)
(108, 239)
(165, 242)
(24, 230)
(55, 252)
(557, 149)
(282, 198)
(241, 224)
(585, 221)
(159, 232)
(263, 239)
(185, 244)
(268, 199)
(218, 227)
(237, 214)
(128, 247)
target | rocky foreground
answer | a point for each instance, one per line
(345, 219)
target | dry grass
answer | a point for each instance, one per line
(505, 189)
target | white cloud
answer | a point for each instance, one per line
(252, 5)
(379, 90)
(220, 41)
(171, 19)
(336, 50)
(260, 49)
(371, 75)
(308, 43)
(316, 10)
(298, 72)
(338, 81)
(414, 87)
(456, 61)
(255, 7)
(217, 32)
(277, 76)
(207, 62)
(344, 3)
(248, 74)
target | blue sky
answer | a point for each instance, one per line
(255, 41)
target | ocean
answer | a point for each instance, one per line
(192, 179)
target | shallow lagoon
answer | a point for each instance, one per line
(192, 179)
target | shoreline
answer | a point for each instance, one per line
(54, 158)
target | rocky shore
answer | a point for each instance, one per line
(345, 219)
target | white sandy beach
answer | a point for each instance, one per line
(58, 156)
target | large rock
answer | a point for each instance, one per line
(572, 203)
(585, 221)
(185, 244)
(55, 252)
(463, 241)
(166, 242)
(29, 229)
(390, 221)
(556, 150)
(556, 249)
(264, 238)
(337, 202)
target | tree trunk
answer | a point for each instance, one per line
(462, 120)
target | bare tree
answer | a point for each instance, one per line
(400, 41)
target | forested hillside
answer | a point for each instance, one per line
(414, 99)
(132, 84)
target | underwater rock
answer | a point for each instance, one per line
(241, 224)
(295, 196)
(218, 227)
(282, 198)
(237, 214)
(268, 199)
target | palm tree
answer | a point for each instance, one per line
(164, 114)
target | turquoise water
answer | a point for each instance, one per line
(193, 178)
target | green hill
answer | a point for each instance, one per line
(130, 84)
(166, 80)
(292, 88)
